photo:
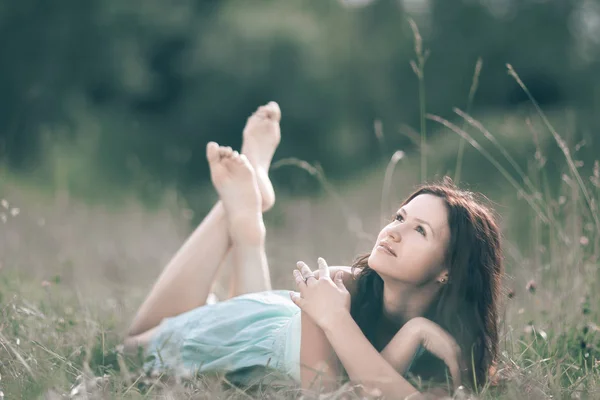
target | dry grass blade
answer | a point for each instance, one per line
(237, 389)
(472, 91)
(476, 124)
(495, 163)
(411, 134)
(18, 355)
(378, 129)
(353, 222)
(488, 135)
(419, 69)
(561, 144)
(58, 357)
(133, 384)
(387, 182)
(417, 36)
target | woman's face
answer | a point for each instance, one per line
(411, 249)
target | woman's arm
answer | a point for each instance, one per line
(399, 353)
(362, 361)
(319, 362)
(401, 350)
(328, 304)
(319, 365)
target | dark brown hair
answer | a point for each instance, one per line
(467, 306)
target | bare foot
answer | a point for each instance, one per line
(261, 137)
(234, 179)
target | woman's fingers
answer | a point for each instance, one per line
(339, 280)
(323, 268)
(299, 280)
(455, 373)
(306, 272)
(297, 299)
(453, 358)
(452, 362)
(441, 344)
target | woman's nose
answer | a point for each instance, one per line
(395, 234)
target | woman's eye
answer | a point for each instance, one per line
(399, 217)
(421, 230)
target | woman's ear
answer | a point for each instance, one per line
(443, 277)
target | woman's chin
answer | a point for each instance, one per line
(375, 262)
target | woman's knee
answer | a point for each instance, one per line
(133, 342)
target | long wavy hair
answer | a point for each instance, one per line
(467, 305)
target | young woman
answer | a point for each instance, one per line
(427, 291)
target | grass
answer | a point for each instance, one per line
(66, 300)
(59, 330)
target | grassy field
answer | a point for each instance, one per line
(72, 274)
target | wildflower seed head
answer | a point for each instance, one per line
(531, 286)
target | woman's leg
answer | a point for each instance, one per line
(261, 137)
(185, 282)
(248, 264)
(247, 274)
(246, 229)
(187, 279)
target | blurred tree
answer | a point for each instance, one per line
(148, 82)
(48, 50)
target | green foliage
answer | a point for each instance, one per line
(126, 94)
(550, 342)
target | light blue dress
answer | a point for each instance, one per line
(238, 337)
(234, 336)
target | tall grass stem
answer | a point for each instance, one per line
(470, 99)
(561, 144)
(520, 190)
(476, 124)
(387, 183)
(354, 222)
(419, 70)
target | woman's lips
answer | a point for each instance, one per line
(384, 247)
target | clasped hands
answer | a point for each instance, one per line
(323, 299)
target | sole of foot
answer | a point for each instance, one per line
(262, 135)
(234, 179)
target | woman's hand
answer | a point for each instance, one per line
(439, 343)
(322, 299)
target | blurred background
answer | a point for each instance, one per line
(106, 107)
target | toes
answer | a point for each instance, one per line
(261, 112)
(241, 159)
(244, 160)
(270, 111)
(225, 152)
(273, 111)
(228, 162)
(212, 152)
(235, 160)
